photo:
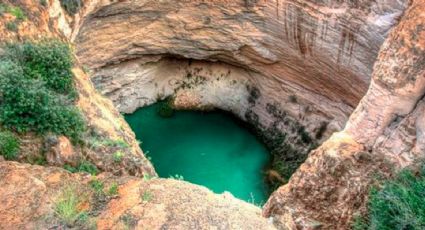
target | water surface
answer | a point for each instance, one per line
(210, 149)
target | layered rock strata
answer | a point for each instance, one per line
(294, 70)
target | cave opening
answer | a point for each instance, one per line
(214, 149)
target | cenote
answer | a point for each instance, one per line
(206, 148)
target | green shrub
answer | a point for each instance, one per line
(97, 186)
(3, 8)
(71, 6)
(12, 26)
(399, 204)
(87, 167)
(37, 90)
(147, 196)
(17, 12)
(48, 60)
(83, 166)
(9, 145)
(113, 190)
(118, 155)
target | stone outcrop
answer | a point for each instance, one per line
(383, 135)
(29, 196)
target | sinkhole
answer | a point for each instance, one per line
(212, 149)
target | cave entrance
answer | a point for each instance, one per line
(207, 148)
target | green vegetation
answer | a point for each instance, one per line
(66, 207)
(84, 166)
(43, 3)
(37, 89)
(165, 109)
(177, 177)
(9, 145)
(118, 156)
(147, 196)
(147, 177)
(12, 26)
(97, 142)
(97, 186)
(38, 160)
(71, 6)
(113, 189)
(119, 143)
(129, 221)
(398, 204)
(3, 8)
(17, 12)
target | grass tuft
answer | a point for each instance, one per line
(9, 145)
(67, 207)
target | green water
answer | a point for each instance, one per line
(210, 149)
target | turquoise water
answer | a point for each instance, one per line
(210, 149)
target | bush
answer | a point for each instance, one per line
(71, 6)
(37, 90)
(17, 12)
(83, 166)
(3, 8)
(118, 156)
(49, 60)
(97, 186)
(12, 26)
(9, 145)
(399, 204)
(113, 190)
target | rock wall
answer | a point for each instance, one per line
(383, 135)
(294, 70)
